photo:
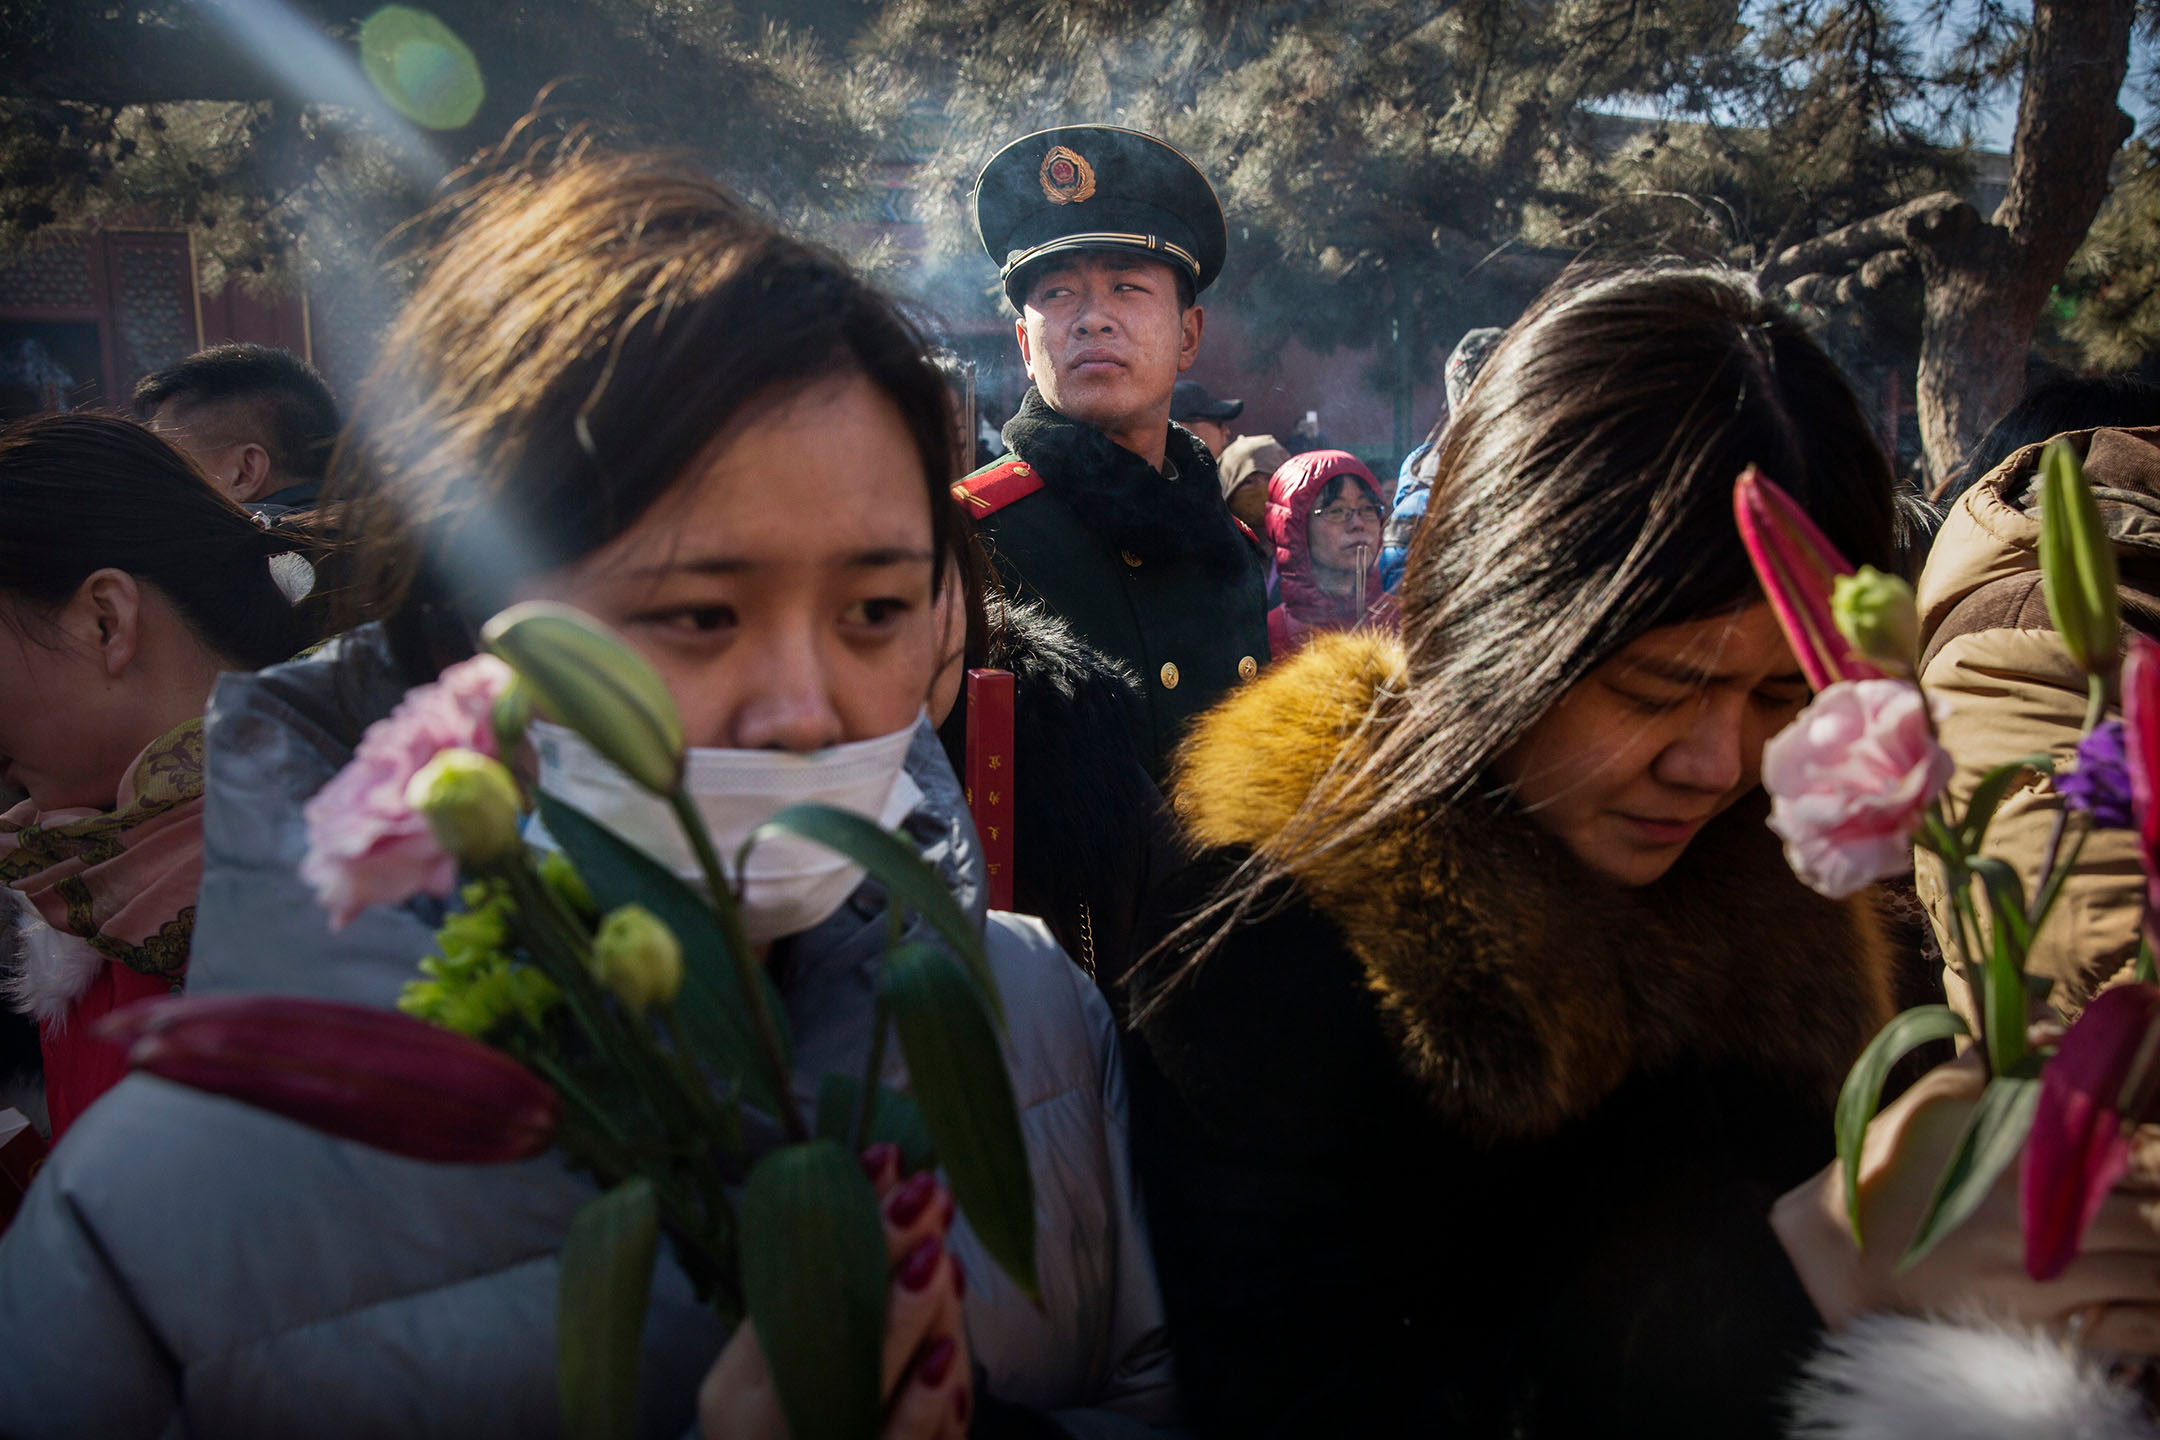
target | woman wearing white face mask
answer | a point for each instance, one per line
(618, 389)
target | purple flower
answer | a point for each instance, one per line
(2100, 785)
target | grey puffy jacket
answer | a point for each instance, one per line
(186, 1266)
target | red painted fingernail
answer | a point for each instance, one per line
(911, 1199)
(959, 1278)
(921, 1264)
(879, 1158)
(963, 1400)
(937, 1362)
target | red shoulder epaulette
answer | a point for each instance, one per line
(1247, 532)
(988, 491)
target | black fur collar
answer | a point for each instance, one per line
(1118, 495)
(1522, 988)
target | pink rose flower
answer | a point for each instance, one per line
(366, 846)
(1849, 782)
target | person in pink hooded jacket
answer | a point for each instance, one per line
(1324, 516)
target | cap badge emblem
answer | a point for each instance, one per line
(1067, 179)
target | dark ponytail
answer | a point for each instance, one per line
(84, 492)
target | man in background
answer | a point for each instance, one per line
(259, 422)
(1207, 417)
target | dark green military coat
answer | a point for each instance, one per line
(1146, 566)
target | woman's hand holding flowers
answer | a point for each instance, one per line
(2108, 1291)
(928, 1377)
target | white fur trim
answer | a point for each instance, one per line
(52, 968)
(1891, 1378)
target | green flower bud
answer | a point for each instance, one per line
(1876, 615)
(562, 877)
(584, 676)
(638, 958)
(2077, 562)
(472, 804)
(512, 713)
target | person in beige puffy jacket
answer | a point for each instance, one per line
(2007, 687)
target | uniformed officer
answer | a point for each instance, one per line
(1102, 509)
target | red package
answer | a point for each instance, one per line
(989, 777)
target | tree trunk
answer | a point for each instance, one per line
(1986, 283)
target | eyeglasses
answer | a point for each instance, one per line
(1341, 514)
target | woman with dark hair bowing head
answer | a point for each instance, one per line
(127, 584)
(1467, 1106)
(618, 388)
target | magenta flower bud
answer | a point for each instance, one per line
(2099, 1083)
(1798, 568)
(352, 1071)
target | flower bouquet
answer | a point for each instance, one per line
(1859, 780)
(595, 1002)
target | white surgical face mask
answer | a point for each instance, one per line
(790, 884)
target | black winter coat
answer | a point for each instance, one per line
(1091, 836)
(1457, 1138)
(1148, 568)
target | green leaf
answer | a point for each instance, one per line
(893, 863)
(1993, 789)
(1939, 839)
(2002, 1000)
(607, 1269)
(2006, 904)
(956, 1072)
(814, 1277)
(1862, 1094)
(896, 1118)
(1991, 1141)
(711, 1010)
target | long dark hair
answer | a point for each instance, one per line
(83, 492)
(1583, 497)
(588, 324)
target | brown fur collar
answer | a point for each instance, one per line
(1523, 988)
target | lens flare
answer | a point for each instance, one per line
(421, 67)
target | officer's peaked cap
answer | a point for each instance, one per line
(1097, 187)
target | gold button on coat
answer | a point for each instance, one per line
(1169, 676)
(1247, 668)
(1129, 558)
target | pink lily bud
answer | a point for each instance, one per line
(2100, 1082)
(2141, 752)
(352, 1071)
(1798, 568)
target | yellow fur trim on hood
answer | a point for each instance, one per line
(1523, 988)
(1250, 762)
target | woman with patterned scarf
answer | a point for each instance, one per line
(127, 584)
